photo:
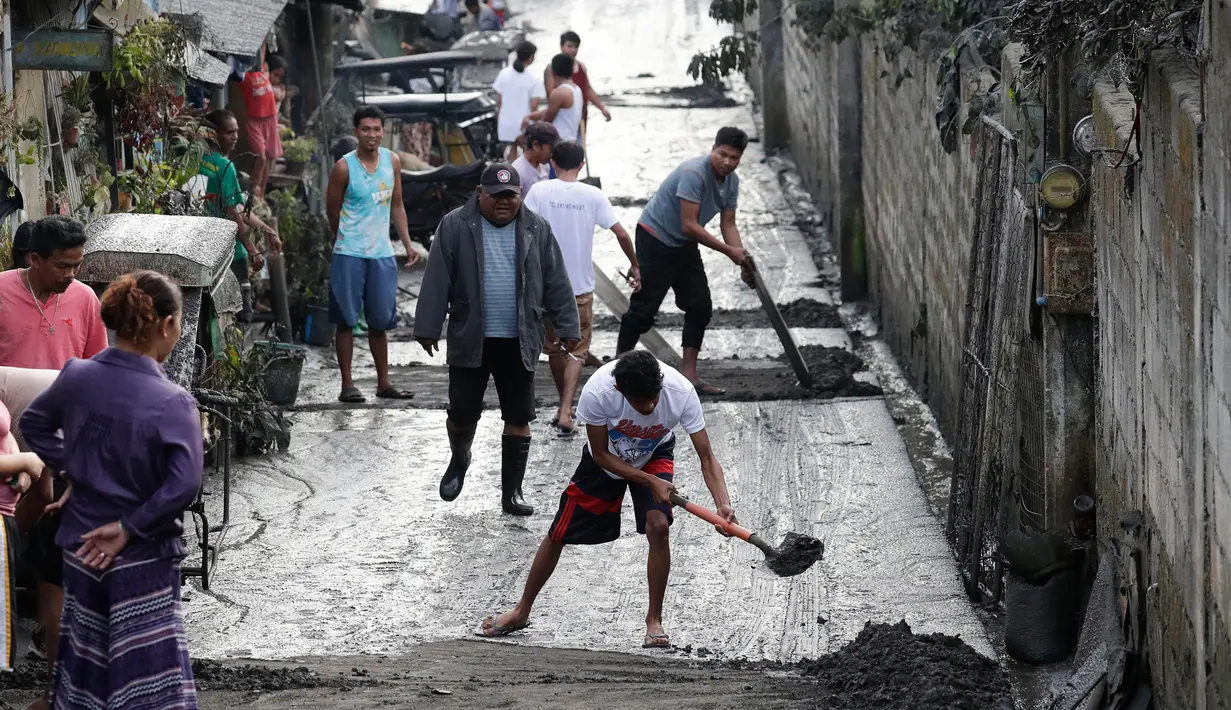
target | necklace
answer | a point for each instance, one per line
(51, 327)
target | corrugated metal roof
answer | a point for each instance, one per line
(203, 67)
(408, 7)
(228, 26)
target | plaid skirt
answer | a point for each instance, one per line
(122, 640)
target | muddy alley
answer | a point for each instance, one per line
(344, 581)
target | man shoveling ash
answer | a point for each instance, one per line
(669, 234)
(630, 408)
(496, 270)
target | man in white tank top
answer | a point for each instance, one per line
(564, 103)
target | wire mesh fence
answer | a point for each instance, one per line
(997, 479)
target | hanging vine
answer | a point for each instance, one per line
(1115, 38)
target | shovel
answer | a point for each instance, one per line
(794, 556)
(595, 181)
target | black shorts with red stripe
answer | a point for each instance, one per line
(590, 507)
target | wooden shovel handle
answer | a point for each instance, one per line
(711, 517)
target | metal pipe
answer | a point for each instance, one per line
(278, 295)
(322, 175)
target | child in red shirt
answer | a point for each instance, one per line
(260, 97)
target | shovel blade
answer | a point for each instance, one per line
(795, 555)
(594, 180)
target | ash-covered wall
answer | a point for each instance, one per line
(1163, 231)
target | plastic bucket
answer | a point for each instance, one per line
(317, 329)
(1041, 622)
(283, 366)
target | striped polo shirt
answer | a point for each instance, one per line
(500, 280)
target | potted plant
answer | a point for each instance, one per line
(70, 128)
(297, 152)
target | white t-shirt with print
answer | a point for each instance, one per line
(516, 89)
(632, 435)
(573, 209)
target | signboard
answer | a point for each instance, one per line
(70, 50)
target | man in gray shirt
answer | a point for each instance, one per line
(669, 235)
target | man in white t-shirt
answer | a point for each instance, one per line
(630, 408)
(574, 209)
(518, 92)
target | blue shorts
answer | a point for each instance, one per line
(370, 284)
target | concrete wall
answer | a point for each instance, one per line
(823, 90)
(899, 207)
(919, 207)
(868, 149)
(1164, 436)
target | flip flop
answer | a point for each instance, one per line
(704, 387)
(657, 641)
(352, 395)
(496, 631)
(395, 393)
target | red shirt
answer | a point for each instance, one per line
(259, 94)
(583, 83)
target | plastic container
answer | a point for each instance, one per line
(317, 329)
(283, 366)
(1041, 624)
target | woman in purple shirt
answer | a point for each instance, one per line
(132, 451)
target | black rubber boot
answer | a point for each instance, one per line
(459, 462)
(515, 451)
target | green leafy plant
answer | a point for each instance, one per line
(307, 249)
(76, 94)
(155, 181)
(299, 150)
(147, 81)
(14, 132)
(258, 427)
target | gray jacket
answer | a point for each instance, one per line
(453, 285)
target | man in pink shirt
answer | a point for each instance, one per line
(46, 315)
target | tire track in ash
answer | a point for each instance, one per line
(799, 629)
(828, 481)
(765, 464)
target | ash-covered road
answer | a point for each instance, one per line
(342, 547)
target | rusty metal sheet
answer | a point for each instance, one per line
(1068, 273)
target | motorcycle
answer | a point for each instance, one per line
(429, 195)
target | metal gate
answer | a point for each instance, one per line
(997, 476)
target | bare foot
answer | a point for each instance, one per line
(505, 624)
(565, 424)
(704, 387)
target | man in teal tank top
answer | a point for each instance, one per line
(365, 193)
